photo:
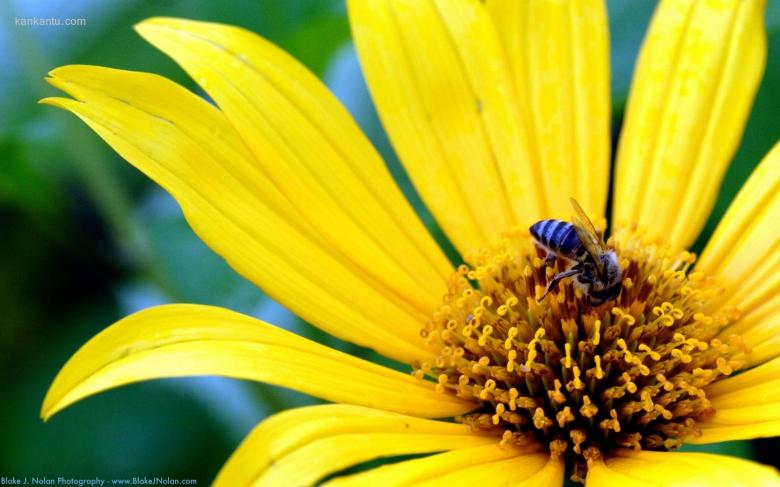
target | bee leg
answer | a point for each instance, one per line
(549, 259)
(557, 278)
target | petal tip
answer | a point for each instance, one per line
(157, 20)
(145, 27)
(54, 74)
(47, 408)
(70, 72)
(53, 101)
(161, 22)
(63, 71)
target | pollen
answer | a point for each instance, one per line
(583, 380)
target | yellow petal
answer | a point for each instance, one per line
(301, 446)
(186, 145)
(187, 340)
(531, 470)
(550, 474)
(696, 76)
(746, 406)
(757, 376)
(742, 255)
(309, 146)
(759, 329)
(439, 78)
(412, 472)
(731, 414)
(651, 468)
(716, 433)
(559, 57)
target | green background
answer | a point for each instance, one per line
(85, 239)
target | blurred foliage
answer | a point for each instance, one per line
(85, 239)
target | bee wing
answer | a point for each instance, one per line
(588, 235)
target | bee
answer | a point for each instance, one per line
(595, 267)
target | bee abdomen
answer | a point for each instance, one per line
(558, 236)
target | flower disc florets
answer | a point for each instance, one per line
(583, 380)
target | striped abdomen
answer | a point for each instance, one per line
(560, 238)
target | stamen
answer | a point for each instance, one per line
(588, 409)
(584, 380)
(599, 372)
(597, 333)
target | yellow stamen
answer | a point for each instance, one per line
(567, 362)
(599, 372)
(630, 373)
(510, 363)
(564, 416)
(540, 420)
(556, 395)
(597, 332)
(588, 409)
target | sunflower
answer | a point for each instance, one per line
(500, 113)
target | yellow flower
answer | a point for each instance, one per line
(500, 112)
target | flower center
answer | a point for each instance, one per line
(584, 380)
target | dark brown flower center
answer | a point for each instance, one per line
(630, 373)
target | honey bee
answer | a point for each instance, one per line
(595, 267)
